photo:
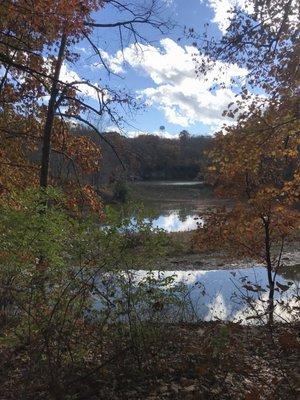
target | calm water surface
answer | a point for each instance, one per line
(239, 295)
(213, 294)
(225, 294)
(173, 222)
(176, 205)
(174, 183)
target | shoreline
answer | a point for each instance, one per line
(215, 262)
(182, 257)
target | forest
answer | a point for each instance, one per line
(149, 157)
(150, 266)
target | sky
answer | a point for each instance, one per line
(161, 72)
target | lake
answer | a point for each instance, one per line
(234, 295)
(239, 295)
(175, 205)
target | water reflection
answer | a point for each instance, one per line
(227, 294)
(174, 222)
(175, 204)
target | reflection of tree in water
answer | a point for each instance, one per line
(185, 211)
(256, 295)
(292, 272)
(182, 214)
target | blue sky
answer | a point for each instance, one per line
(162, 72)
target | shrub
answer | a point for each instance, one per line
(121, 191)
(69, 299)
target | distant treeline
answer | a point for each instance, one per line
(149, 157)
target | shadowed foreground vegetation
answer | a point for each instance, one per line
(75, 324)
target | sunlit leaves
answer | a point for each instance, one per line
(256, 163)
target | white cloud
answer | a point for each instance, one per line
(82, 50)
(188, 277)
(112, 64)
(184, 98)
(223, 10)
(168, 2)
(68, 76)
(112, 128)
(173, 223)
(217, 308)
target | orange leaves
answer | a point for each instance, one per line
(252, 160)
(239, 232)
(47, 18)
(84, 152)
(29, 49)
(92, 200)
(78, 149)
(257, 164)
(15, 168)
(84, 198)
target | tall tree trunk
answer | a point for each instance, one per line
(46, 148)
(269, 271)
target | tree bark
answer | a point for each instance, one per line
(269, 271)
(46, 147)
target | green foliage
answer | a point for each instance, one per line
(66, 283)
(121, 191)
(30, 228)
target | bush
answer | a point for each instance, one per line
(69, 299)
(121, 191)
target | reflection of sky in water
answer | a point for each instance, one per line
(175, 223)
(218, 294)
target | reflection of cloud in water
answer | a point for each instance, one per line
(218, 293)
(174, 223)
(281, 312)
(217, 308)
(186, 277)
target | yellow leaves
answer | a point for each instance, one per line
(258, 159)
(293, 153)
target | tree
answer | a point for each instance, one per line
(32, 70)
(32, 55)
(256, 162)
(262, 37)
(258, 168)
(184, 136)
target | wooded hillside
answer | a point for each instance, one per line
(149, 157)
